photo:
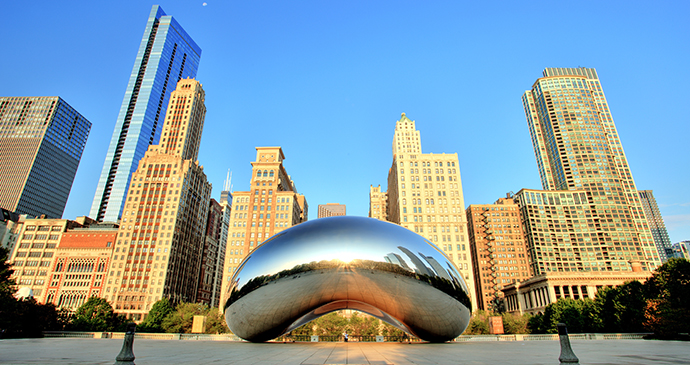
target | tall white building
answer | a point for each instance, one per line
(425, 195)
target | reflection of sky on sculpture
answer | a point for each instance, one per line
(315, 241)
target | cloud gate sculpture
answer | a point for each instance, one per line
(364, 264)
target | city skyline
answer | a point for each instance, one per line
(300, 74)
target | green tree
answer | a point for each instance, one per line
(7, 285)
(363, 325)
(26, 317)
(96, 314)
(154, 320)
(621, 309)
(580, 315)
(215, 322)
(479, 323)
(667, 312)
(515, 323)
(331, 324)
(8, 303)
(181, 319)
(535, 324)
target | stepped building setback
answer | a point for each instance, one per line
(331, 210)
(167, 54)
(41, 143)
(425, 195)
(160, 246)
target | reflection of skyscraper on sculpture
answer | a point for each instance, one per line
(394, 258)
(436, 266)
(420, 268)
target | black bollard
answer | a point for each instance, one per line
(126, 355)
(567, 354)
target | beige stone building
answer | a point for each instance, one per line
(378, 203)
(61, 261)
(34, 256)
(425, 195)
(331, 210)
(498, 246)
(533, 295)
(271, 206)
(161, 238)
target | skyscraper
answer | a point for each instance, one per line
(41, 143)
(331, 210)
(577, 148)
(160, 244)
(166, 55)
(271, 205)
(425, 195)
(656, 225)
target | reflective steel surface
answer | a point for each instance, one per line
(336, 263)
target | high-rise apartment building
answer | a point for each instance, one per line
(499, 250)
(656, 225)
(41, 143)
(271, 206)
(581, 162)
(167, 54)
(331, 210)
(161, 239)
(378, 203)
(425, 196)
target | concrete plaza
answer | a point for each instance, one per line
(104, 351)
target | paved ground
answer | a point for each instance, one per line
(104, 351)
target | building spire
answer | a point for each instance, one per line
(227, 185)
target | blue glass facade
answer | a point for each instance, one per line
(166, 55)
(41, 143)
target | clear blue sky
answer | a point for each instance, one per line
(327, 80)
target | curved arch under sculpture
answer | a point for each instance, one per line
(364, 264)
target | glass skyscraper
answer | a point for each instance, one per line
(166, 55)
(603, 226)
(41, 143)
